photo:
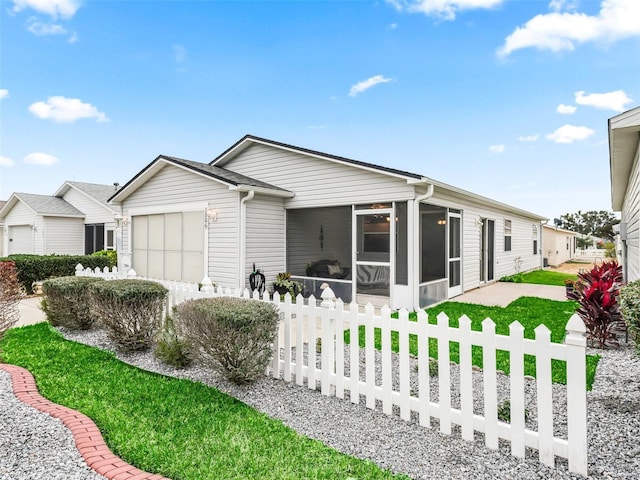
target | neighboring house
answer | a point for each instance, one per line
(373, 233)
(624, 142)
(2, 202)
(74, 221)
(558, 244)
(99, 223)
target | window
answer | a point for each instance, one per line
(507, 235)
(93, 238)
(535, 247)
(110, 244)
(567, 243)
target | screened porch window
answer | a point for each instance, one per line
(319, 242)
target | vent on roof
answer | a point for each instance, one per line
(116, 185)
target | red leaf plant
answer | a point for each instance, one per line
(597, 295)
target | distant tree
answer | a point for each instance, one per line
(595, 223)
(584, 242)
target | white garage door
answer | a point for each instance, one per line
(169, 246)
(20, 239)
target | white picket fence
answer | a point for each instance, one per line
(337, 371)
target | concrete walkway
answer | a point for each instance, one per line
(30, 311)
(503, 293)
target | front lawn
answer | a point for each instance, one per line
(177, 428)
(547, 277)
(529, 311)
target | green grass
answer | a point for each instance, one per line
(177, 428)
(529, 311)
(547, 277)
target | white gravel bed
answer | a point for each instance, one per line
(34, 445)
(421, 453)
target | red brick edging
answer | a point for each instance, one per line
(86, 434)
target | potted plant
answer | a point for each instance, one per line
(284, 284)
(570, 285)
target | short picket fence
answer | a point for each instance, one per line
(336, 370)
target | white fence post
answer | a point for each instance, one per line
(576, 343)
(545, 395)
(79, 269)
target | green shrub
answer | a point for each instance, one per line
(129, 310)
(232, 335)
(66, 302)
(35, 268)
(171, 348)
(630, 307)
(504, 412)
(111, 255)
(11, 293)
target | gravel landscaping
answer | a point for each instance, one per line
(613, 423)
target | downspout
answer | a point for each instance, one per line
(416, 243)
(242, 240)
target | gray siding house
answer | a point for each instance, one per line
(373, 233)
(75, 220)
(624, 146)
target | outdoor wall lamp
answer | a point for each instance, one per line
(212, 215)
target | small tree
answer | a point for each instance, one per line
(11, 293)
(597, 295)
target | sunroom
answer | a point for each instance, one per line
(366, 252)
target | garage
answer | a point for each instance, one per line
(169, 246)
(20, 239)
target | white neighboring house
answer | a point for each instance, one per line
(2, 202)
(624, 146)
(74, 221)
(373, 233)
(100, 217)
(558, 244)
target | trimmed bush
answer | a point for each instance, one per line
(630, 307)
(234, 336)
(172, 349)
(35, 268)
(66, 302)
(11, 293)
(597, 293)
(129, 310)
(111, 255)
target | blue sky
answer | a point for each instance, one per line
(505, 98)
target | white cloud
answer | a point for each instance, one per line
(6, 162)
(497, 148)
(317, 127)
(615, 101)
(562, 30)
(560, 5)
(42, 29)
(529, 138)
(570, 133)
(566, 109)
(445, 9)
(39, 158)
(367, 84)
(179, 53)
(393, 26)
(53, 8)
(62, 109)
(4, 93)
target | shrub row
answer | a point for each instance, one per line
(35, 268)
(232, 335)
(630, 306)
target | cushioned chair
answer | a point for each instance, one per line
(328, 269)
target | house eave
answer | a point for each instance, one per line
(264, 191)
(624, 136)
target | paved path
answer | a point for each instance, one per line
(503, 293)
(30, 311)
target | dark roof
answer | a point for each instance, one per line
(322, 154)
(219, 173)
(222, 174)
(49, 205)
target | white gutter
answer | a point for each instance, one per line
(242, 240)
(416, 243)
